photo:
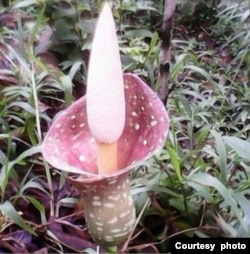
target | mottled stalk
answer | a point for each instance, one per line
(109, 208)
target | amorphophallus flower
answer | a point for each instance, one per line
(118, 125)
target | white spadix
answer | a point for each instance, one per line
(105, 88)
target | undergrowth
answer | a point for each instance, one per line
(196, 186)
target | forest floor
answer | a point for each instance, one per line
(196, 186)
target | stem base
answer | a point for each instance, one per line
(109, 209)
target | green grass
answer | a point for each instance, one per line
(197, 185)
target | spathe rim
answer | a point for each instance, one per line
(68, 146)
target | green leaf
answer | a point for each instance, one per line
(3, 158)
(67, 84)
(23, 105)
(186, 105)
(32, 184)
(89, 251)
(38, 206)
(245, 206)
(155, 188)
(8, 209)
(63, 12)
(6, 170)
(222, 158)
(37, 25)
(240, 146)
(25, 3)
(30, 127)
(178, 66)
(29, 152)
(175, 161)
(208, 180)
(138, 33)
(75, 67)
(226, 227)
(201, 136)
(201, 191)
(199, 70)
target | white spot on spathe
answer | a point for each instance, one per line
(73, 117)
(113, 220)
(152, 117)
(108, 205)
(135, 97)
(114, 197)
(96, 203)
(129, 223)
(153, 123)
(81, 125)
(99, 229)
(100, 224)
(91, 215)
(73, 126)
(124, 214)
(116, 230)
(144, 142)
(113, 181)
(82, 158)
(58, 125)
(137, 126)
(96, 197)
(133, 113)
(108, 238)
(121, 234)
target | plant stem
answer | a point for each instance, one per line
(109, 208)
(111, 250)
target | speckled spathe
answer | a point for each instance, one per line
(69, 146)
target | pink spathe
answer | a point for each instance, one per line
(70, 146)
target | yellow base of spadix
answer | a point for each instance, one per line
(107, 157)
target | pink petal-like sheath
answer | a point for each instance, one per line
(69, 146)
